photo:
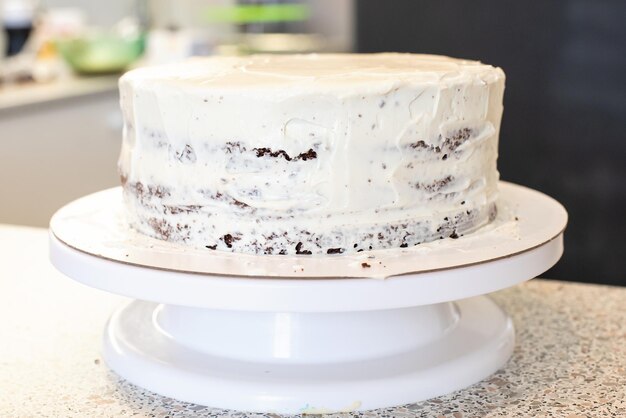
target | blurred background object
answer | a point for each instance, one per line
(563, 132)
(103, 52)
(17, 22)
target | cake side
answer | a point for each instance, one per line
(252, 155)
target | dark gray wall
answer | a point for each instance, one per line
(564, 125)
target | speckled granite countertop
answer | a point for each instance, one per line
(570, 358)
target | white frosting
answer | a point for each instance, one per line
(331, 146)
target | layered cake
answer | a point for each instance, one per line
(311, 154)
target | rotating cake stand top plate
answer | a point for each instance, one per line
(91, 244)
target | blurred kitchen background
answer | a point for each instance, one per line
(563, 131)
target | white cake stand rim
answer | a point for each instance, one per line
(56, 239)
(317, 267)
(540, 216)
(274, 294)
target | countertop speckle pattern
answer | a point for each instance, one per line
(569, 361)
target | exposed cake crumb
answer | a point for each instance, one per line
(308, 155)
(299, 249)
(334, 251)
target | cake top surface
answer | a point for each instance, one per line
(312, 71)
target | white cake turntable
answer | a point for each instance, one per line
(302, 334)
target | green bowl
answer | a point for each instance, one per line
(101, 54)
